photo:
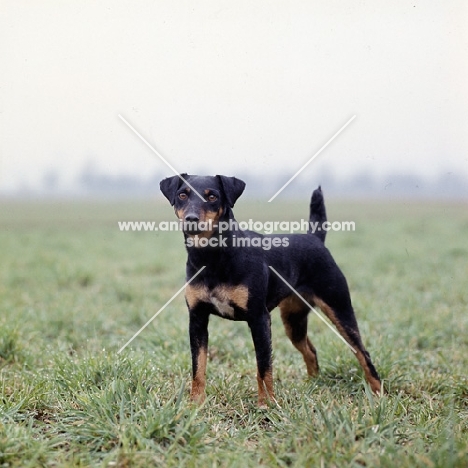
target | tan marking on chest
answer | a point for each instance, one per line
(222, 297)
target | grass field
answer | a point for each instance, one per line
(73, 290)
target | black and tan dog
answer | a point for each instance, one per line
(238, 284)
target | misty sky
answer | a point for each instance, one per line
(230, 86)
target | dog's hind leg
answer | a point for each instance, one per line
(294, 315)
(342, 316)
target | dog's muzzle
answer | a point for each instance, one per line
(191, 224)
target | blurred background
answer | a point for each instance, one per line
(251, 89)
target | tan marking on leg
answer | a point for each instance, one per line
(290, 306)
(330, 313)
(265, 389)
(375, 384)
(199, 381)
(310, 357)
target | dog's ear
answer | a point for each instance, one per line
(232, 188)
(170, 185)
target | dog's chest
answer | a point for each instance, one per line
(223, 305)
(224, 298)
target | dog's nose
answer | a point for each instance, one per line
(192, 218)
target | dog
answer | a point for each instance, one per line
(238, 281)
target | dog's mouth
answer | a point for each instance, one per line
(193, 228)
(192, 232)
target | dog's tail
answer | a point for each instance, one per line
(318, 215)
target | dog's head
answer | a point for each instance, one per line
(201, 201)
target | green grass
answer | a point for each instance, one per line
(73, 290)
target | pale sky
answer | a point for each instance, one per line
(229, 86)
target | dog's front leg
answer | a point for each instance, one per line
(198, 329)
(260, 326)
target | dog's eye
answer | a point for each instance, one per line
(212, 198)
(182, 196)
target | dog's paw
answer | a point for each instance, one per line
(197, 397)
